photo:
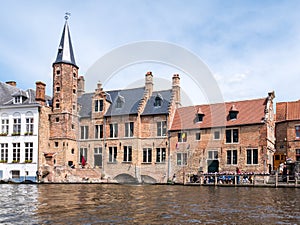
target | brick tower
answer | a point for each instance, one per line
(64, 118)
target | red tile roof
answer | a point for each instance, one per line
(287, 111)
(216, 115)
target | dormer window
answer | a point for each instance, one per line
(199, 115)
(158, 100)
(233, 112)
(120, 102)
(98, 105)
(18, 99)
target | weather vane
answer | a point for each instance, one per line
(67, 15)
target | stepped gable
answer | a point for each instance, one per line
(287, 111)
(152, 109)
(250, 112)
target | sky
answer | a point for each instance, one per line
(251, 47)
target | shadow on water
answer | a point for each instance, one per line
(147, 204)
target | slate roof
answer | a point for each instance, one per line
(151, 109)
(131, 99)
(216, 115)
(85, 102)
(286, 111)
(65, 52)
(8, 92)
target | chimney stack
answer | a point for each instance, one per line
(11, 83)
(176, 90)
(40, 93)
(149, 83)
(80, 84)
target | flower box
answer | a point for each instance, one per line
(3, 134)
(15, 134)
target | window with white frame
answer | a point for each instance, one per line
(161, 128)
(217, 135)
(160, 155)
(98, 105)
(17, 124)
(127, 156)
(84, 132)
(16, 152)
(28, 151)
(113, 130)
(112, 158)
(4, 125)
(231, 157)
(129, 129)
(232, 136)
(98, 131)
(4, 152)
(83, 154)
(98, 156)
(29, 124)
(182, 159)
(252, 156)
(212, 155)
(297, 131)
(147, 155)
(182, 136)
(17, 99)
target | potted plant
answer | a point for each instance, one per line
(3, 134)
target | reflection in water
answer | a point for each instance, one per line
(148, 204)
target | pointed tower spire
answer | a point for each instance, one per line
(65, 50)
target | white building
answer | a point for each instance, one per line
(19, 117)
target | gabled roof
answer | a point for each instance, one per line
(8, 92)
(131, 99)
(165, 97)
(65, 49)
(216, 115)
(287, 111)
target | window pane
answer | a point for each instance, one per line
(228, 136)
(255, 156)
(235, 135)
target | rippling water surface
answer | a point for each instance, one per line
(148, 204)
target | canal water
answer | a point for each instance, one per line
(147, 204)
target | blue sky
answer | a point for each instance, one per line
(251, 47)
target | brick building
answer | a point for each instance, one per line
(124, 132)
(287, 132)
(221, 137)
(120, 134)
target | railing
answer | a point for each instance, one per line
(246, 179)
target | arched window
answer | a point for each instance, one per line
(29, 123)
(4, 124)
(16, 124)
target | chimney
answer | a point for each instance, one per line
(11, 83)
(149, 83)
(176, 90)
(80, 84)
(40, 92)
